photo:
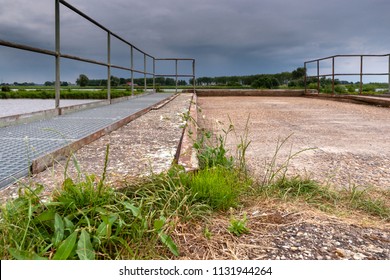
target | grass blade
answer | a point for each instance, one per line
(167, 241)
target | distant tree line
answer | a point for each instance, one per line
(294, 78)
(83, 81)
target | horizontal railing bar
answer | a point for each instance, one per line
(83, 59)
(174, 75)
(347, 55)
(103, 64)
(175, 59)
(26, 48)
(129, 69)
(364, 74)
(142, 72)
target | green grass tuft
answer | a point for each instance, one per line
(218, 187)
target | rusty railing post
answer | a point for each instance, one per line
(154, 74)
(176, 73)
(57, 55)
(389, 73)
(318, 77)
(145, 84)
(193, 73)
(305, 79)
(132, 69)
(332, 74)
(361, 75)
(109, 67)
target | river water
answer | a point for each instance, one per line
(9, 107)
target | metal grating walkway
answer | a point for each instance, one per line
(20, 144)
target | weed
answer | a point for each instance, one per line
(207, 233)
(302, 188)
(363, 199)
(210, 154)
(242, 148)
(275, 171)
(238, 226)
(218, 187)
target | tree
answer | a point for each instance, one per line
(181, 82)
(115, 81)
(266, 81)
(82, 81)
(299, 73)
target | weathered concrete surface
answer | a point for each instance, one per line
(349, 143)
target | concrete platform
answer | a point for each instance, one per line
(30, 148)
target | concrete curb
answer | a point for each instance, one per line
(186, 155)
(370, 100)
(253, 92)
(50, 158)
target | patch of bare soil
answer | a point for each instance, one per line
(283, 232)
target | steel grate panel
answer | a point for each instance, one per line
(22, 143)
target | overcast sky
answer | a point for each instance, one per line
(226, 37)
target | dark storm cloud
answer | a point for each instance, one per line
(226, 37)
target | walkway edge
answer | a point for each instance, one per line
(186, 155)
(50, 158)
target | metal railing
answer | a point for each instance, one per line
(58, 55)
(333, 74)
